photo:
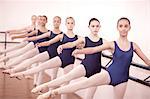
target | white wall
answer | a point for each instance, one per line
(17, 13)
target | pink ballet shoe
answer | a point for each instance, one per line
(38, 89)
(2, 66)
(46, 95)
(28, 77)
(8, 71)
(19, 76)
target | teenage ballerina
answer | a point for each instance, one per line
(116, 74)
(20, 47)
(65, 58)
(29, 50)
(86, 68)
(44, 56)
(25, 30)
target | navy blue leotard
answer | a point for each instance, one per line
(41, 40)
(119, 69)
(66, 55)
(30, 32)
(43, 48)
(92, 62)
(52, 49)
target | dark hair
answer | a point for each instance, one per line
(45, 16)
(123, 18)
(93, 19)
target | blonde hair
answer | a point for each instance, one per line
(57, 17)
(70, 18)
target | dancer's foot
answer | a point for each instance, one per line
(45, 95)
(17, 75)
(39, 88)
(2, 66)
(8, 71)
(28, 77)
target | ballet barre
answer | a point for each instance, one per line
(2, 32)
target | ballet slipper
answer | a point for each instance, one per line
(19, 76)
(34, 85)
(54, 93)
(45, 95)
(38, 89)
(39, 93)
(2, 66)
(28, 77)
(8, 71)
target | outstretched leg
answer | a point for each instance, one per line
(77, 72)
(98, 79)
(18, 46)
(18, 52)
(52, 63)
(23, 57)
(42, 57)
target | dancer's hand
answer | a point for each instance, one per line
(38, 44)
(42, 44)
(75, 52)
(59, 49)
(26, 39)
(13, 37)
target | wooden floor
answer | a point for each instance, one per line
(12, 88)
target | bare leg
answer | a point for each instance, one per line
(90, 93)
(22, 44)
(119, 90)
